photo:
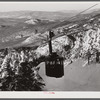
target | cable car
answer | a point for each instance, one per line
(54, 63)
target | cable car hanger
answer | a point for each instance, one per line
(53, 63)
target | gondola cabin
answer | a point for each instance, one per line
(54, 63)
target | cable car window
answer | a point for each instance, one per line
(57, 59)
(61, 62)
(47, 62)
(53, 62)
(58, 62)
(50, 62)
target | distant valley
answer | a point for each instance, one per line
(19, 24)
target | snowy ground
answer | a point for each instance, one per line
(76, 78)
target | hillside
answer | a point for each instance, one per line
(22, 21)
(37, 14)
(15, 28)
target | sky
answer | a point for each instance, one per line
(46, 6)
